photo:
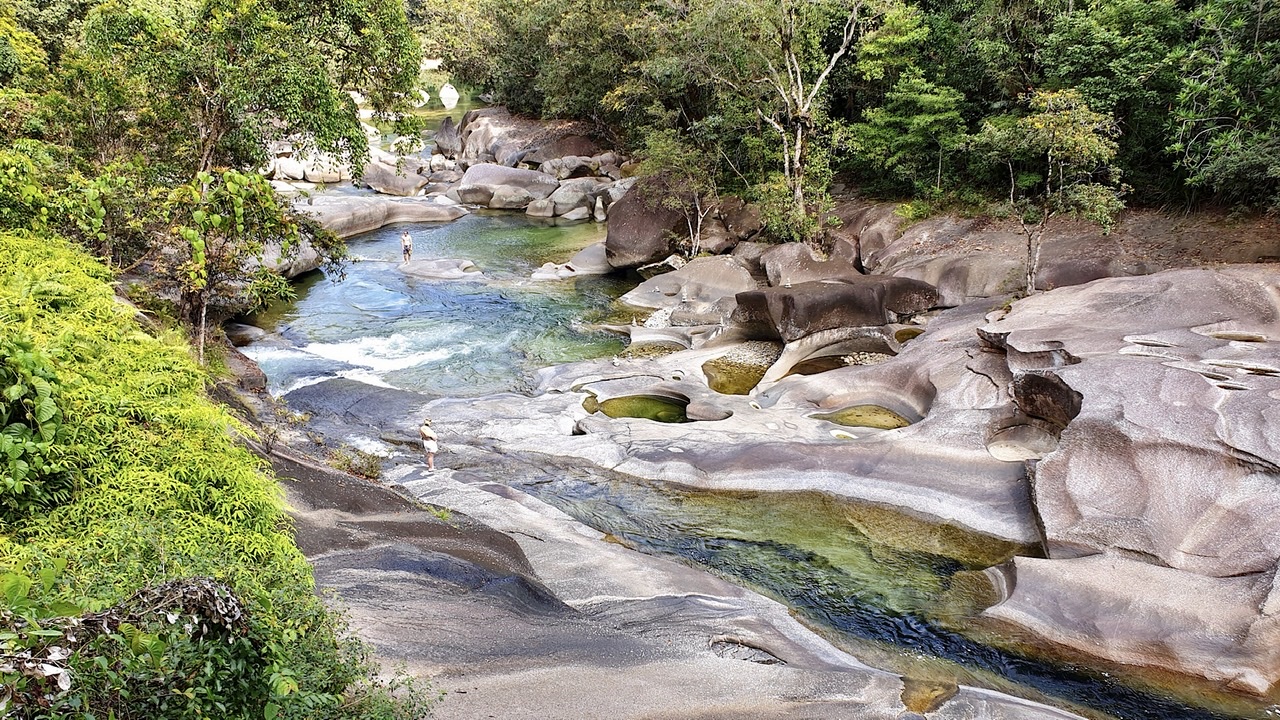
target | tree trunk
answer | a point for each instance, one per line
(938, 185)
(204, 310)
(797, 174)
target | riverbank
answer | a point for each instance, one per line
(513, 609)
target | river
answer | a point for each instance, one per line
(863, 576)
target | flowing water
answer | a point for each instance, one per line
(895, 591)
(460, 338)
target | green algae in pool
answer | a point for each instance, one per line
(897, 591)
(651, 407)
(730, 378)
(869, 416)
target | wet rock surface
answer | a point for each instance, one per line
(1143, 407)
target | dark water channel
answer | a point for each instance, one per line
(896, 592)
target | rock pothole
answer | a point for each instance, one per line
(866, 416)
(1021, 441)
(738, 371)
(659, 408)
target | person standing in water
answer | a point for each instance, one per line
(429, 444)
(406, 245)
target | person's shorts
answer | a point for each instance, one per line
(430, 446)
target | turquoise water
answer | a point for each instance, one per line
(460, 338)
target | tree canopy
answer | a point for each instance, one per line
(908, 109)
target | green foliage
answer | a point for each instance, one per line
(929, 90)
(1077, 147)
(687, 177)
(31, 476)
(460, 32)
(1226, 120)
(165, 494)
(223, 78)
(913, 133)
(24, 199)
(21, 56)
(116, 215)
(895, 46)
(224, 220)
(357, 462)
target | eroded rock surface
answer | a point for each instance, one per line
(1170, 467)
(515, 610)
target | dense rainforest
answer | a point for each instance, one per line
(145, 554)
(1164, 103)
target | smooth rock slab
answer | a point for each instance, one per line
(1135, 613)
(791, 313)
(1175, 451)
(349, 215)
(442, 269)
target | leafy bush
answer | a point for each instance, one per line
(31, 478)
(357, 462)
(165, 494)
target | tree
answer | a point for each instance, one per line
(919, 124)
(1226, 119)
(795, 27)
(224, 220)
(689, 177)
(1119, 55)
(225, 77)
(1077, 147)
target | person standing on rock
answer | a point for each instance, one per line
(429, 444)
(406, 245)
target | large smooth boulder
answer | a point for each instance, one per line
(509, 197)
(794, 263)
(544, 208)
(863, 228)
(791, 313)
(301, 259)
(442, 269)
(716, 239)
(576, 215)
(741, 219)
(494, 135)
(706, 286)
(448, 141)
(571, 167)
(349, 215)
(288, 168)
(573, 194)
(388, 179)
(480, 183)
(641, 228)
(567, 146)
